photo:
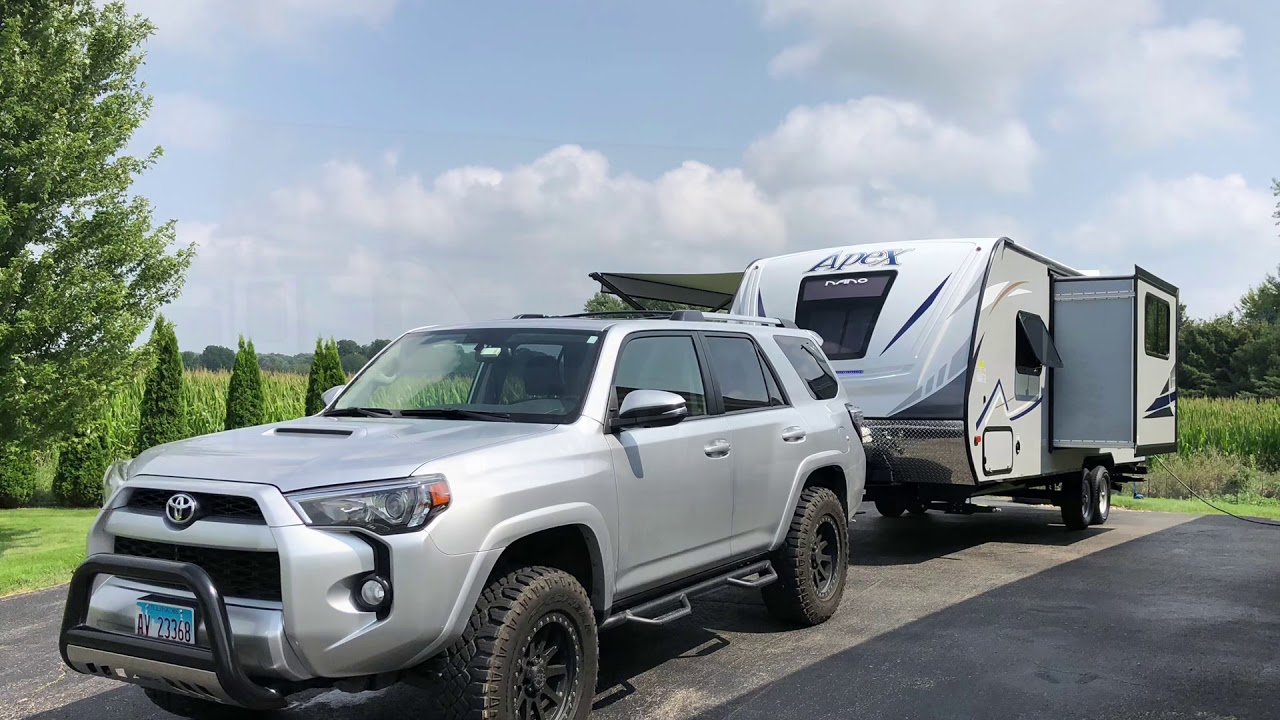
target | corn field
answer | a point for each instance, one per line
(1244, 429)
(1248, 429)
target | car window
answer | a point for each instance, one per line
(817, 375)
(662, 363)
(736, 367)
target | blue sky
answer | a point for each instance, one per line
(354, 169)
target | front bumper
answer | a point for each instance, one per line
(313, 635)
(209, 672)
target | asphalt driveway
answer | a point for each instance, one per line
(989, 616)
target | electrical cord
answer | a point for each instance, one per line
(1206, 502)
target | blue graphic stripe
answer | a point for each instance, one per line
(1163, 400)
(997, 391)
(1025, 410)
(760, 304)
(917, 314)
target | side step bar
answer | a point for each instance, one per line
(755, 575)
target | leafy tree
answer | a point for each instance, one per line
(82, 266)
(352, 363)
(605, 302)
(217, 357)
(1261, 304)
(348, 347)
(334, 375)
(315, 380)
(375, 347)
(191, 361)
(161, 419)
(81, 464)
(244, 394)
(17, 476)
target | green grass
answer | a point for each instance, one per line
(1239, 427)
(40, 548)
(1179, 505)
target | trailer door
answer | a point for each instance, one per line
(1156, 352)
(1117, 384)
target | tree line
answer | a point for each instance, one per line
(351, 355)
(1236, 354)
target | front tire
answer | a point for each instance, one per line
(1076, 499)
(531, 641)
(1101, 479)
(813, 562)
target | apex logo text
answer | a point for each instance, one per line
(871, 259)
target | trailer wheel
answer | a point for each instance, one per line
(891, 507)
(917, 507)
(1101, 480)
(1076, 501)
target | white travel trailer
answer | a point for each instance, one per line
(980, 367)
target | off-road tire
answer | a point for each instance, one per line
(1101, 479)
(197, 709)
(798, 596)
(890, 507)
(1076, 501)
(475, 679)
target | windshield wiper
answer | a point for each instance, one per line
(457, 413)
(361, 412)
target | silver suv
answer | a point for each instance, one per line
(470, 511)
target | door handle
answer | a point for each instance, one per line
(792, 434)
(717, 448)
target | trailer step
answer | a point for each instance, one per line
(753, 576)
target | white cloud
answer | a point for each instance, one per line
(1140, 80)
(1166, 84)
(881, 139)
(203, 25)
(1213, 237)
(973, 54)
(369, 249)
(186, 121)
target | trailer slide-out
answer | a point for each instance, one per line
(981, 367)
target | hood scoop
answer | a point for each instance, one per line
(304, 431)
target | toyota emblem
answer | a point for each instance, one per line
(181, 509)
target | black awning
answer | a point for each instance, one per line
(1038, 339)
(708, 290)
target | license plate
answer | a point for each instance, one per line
(162, 621)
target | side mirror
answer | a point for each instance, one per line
(650, 408)
(331, 393)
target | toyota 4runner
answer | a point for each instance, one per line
(470, 510)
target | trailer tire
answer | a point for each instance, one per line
(813, 562)
(1076, 501)
(891, 507)
(917, 507)
(1101, 479)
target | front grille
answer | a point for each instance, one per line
(236, 573)
(212, 507)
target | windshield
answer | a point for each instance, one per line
(520, 374)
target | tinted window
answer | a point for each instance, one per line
(662, 363)
(842, 309)
(1156, 326)
(816, 374)
(736, 366)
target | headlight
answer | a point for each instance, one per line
(384, 508)
(117, 474)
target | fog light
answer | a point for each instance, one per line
(375, 591)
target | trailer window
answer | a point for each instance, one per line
(1156, 326)
(1033, 346)
(843, 309)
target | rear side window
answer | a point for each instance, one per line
(843, 309)
(662, 363)
(1156, 326)
(817, 375)
(735, 362)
